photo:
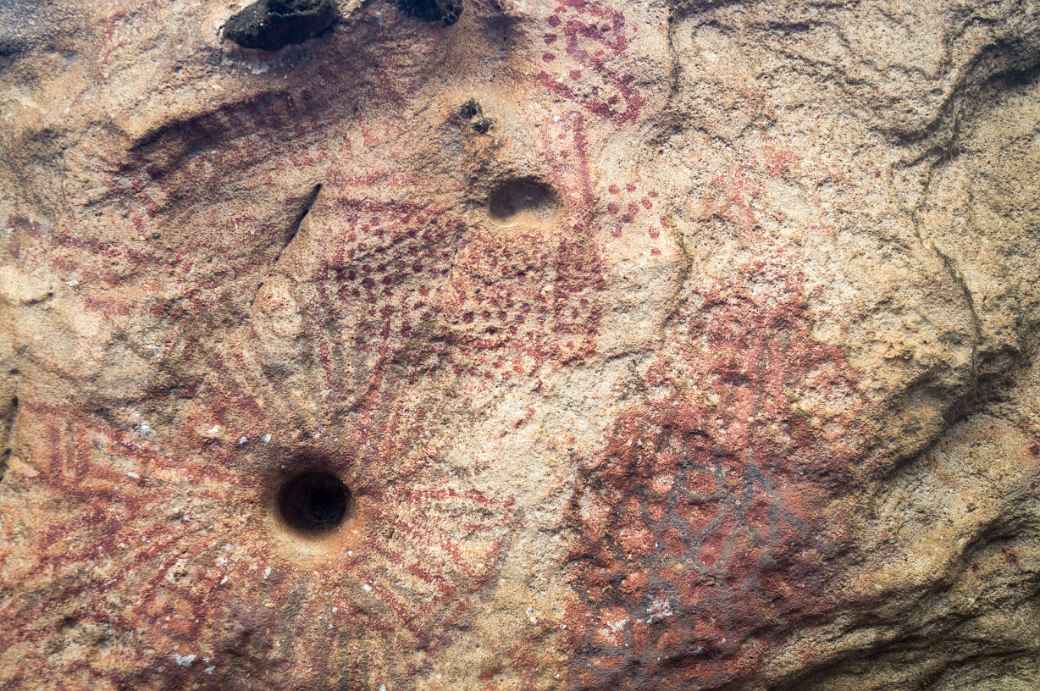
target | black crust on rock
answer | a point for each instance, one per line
(445, 11)
(471, 113)
(274, 24)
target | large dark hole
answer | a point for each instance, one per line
(313, 502)
(522, 194)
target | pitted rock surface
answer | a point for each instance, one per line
(538, 344)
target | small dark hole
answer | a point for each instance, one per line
(522, 194)
(313, 502)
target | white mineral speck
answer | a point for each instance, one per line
(184, 660)
(659, 609)
(367, 588)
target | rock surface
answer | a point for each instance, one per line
(657, 344)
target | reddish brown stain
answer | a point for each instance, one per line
(415, 268)
(703, 521)
(594, 47)
(111, 542)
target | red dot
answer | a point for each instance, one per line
(575, 74)
(549, 39)
(614, 189)
(554, 20)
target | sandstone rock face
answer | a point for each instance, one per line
(520, 344)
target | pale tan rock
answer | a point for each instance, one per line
(658, 345)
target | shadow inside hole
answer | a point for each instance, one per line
(522, 195)
(313, 502)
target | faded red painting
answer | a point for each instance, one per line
(702, 523)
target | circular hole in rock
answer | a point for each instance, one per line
(521, 195)
(313, 502)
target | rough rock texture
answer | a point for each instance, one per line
(658, 344)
